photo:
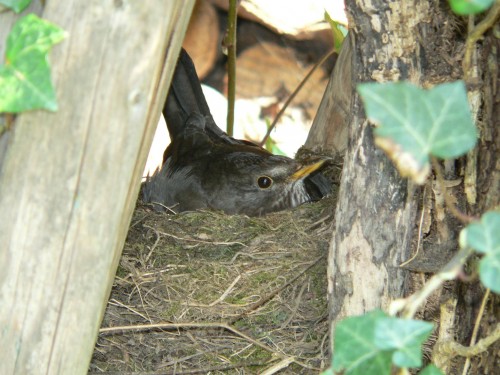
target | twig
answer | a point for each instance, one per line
(211, 369)
(452, 348)
(140, 297)
(295, 308)
(447, 199)
(204, 370)
(476, 329)
(255, 256)
(154, 245)
(194, 239)
(139, 220)
(317, 223)
(409, 305)
(274, 293)
(175, 362)
(292, 96)
(226, 292)
(170, 209)
(118, 303)
(285, 362)
(424, 197)
(230, 44)
(170, 326)
(475, 100)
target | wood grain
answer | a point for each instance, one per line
(69, 180)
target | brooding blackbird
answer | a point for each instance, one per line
(203, 167)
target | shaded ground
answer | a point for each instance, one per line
(232, 294)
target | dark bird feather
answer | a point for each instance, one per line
(203, 167)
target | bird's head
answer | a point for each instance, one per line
(254, 182)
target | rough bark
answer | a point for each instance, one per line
(376, 228)
(376, 207)
(329, 129)
(482, 175)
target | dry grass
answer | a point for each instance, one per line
(204, 292)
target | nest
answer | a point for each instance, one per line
(204, 292)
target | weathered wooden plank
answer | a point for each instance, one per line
(69, 180)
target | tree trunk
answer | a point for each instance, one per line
(376, 207)
(376, 226)
(329, 128)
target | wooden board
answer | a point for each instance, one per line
(69, 180)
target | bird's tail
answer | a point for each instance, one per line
(185, 96)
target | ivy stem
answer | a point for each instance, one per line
(476, 33)
(410, 305)
(476, 329)
(447, 198)
(450, 349)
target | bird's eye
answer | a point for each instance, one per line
(264, 182)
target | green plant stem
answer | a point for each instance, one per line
(230, 43)
(410, 305)
(451, 349)
(292, 96)
(476, 33)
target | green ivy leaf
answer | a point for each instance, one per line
(405, 337)
(271, 145)
(25, 81)
(484, 237)
(16, 5)
(339, 32)
(465, 7)
(431, 370)
(371, 343)
(414, 123)
(355, 349)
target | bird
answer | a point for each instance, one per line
(205, 168)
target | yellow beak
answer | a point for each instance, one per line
(307, 170)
